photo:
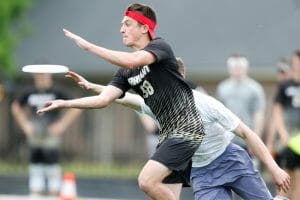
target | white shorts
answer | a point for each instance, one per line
(41, 176)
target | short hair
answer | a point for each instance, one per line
(144, 9)
(297, 53)
(283, 65)
(237, 60)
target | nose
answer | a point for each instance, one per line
(122, 30)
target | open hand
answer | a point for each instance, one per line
(51, 105)
(82, 43)
(282, 180)
(82, 82)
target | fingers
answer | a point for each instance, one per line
(45, 109)
(48, 107)
(41, 111)
(66, 31)
(74, 76)
(70, 35)
(284, 186)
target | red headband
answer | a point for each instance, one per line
(143, 20)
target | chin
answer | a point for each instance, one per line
(127, 44)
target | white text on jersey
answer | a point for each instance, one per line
(138, 78)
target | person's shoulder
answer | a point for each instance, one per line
(159, 41)
(202, 98)
(291, 82)
(225, 81)
(26, 89)
(287, 83)
(252, 83)
(224, 84)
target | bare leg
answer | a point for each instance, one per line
(150, 181)
(176, 189)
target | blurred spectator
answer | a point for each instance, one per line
(43, 132)
(286, 114)
(283, 70)
(245, 97)
(283, 74)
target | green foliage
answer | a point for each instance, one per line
(12, 28)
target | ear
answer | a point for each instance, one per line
(145, 29)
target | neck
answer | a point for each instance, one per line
(142, 43)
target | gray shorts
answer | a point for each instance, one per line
(231, 171)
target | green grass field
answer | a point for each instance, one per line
(79, 168)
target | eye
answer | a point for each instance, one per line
(126, 22)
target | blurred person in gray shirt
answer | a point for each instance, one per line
(244, 96)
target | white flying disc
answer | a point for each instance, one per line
(45, 69)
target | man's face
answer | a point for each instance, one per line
(237, 72)
(131, 31)
(42, 81)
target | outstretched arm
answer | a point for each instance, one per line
(281, 178)
(109, 94)
(132, 101)
(119, 58)
(83, 83)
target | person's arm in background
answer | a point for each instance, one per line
(279, 123)
(281, 178)
(109, 94)
(259, 104)
(270, 138)
(20, 116)
(83, 83)
(132, 101)
(64, 122)
(259, 113)
(148, 123)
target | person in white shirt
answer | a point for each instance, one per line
(219, 166)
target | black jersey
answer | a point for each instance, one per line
(35, 99)
(288, 95)
(165, 92)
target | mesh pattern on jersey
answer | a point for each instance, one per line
(177, 114)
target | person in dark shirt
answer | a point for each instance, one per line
(43, 132)
(152, 72)
(286, 113)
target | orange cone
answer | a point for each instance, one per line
(68, 190)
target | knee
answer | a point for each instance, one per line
(145, 183)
